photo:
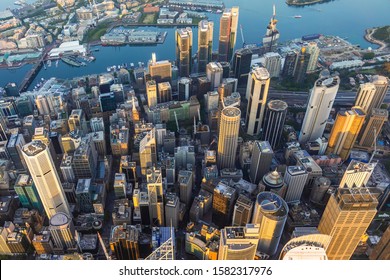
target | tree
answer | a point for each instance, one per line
(368, 55)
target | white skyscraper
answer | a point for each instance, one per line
(357, 174)
(314, 52)
(318, 109)
(295, 179)
(43, 171)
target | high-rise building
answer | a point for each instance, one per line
(262, 155)
(14, 149)
(67, 169)
(77, 121)
(273, 124)
(107, 102)
(4, 249)
(172, 208)
(151, 92)
(365, 97)
(63, 232)
(271, 37)
(120, 185)
(228, 137)
(271, 214)
(184, 88)
(214, 74)
(295, 178)
(381, 250)
(124, 242)
(85, 159)
(318, 109)
(256, 94)
(228, 33)
(42, 169)
(185, 180)
(302, 63)
(382, 85)
(148, 151)
(238, 243)
(84, 195)
(184, 51)
(373, 127)
(160, 71)
(154, 182)
(223, 202)
(242, 65)
(205, 44)
(314, 52)
(357, 174)
(164, 92)
(273, 63)
(242, 213)
(43, 243)
(129, 168)
(345, 131)
(290, 62)
(27, 192)
(346, 218)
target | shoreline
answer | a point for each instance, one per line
(368, 37)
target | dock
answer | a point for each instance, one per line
(30, 76)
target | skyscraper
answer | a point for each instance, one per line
(164, 92)
(228, 33)
(184, 51)
(256, 94)
(85, 159)
(172, 206)
(42, 169)
(302, 63)
(357, 174)
(228, 137)
(295, 178)
(185, 180)
(271, 214)
(62, 232)
(273, 63)
(345, 131)
(154, 182)
(262, 155)
(184, 86)
(372, 129)
(318, 109)
(223, 201)
(238, 243)
(242, 213)
(270, 40)
(214, 74)
(205, 44)
(160, 71)
(290, 63)
(151, 92)
(242, 65)
(346, 218)
(382, 85)
(275, 117)
(381, 250)
(365, 97)
(314, 52)
(27, 192)
(124, 242)
(148, 151)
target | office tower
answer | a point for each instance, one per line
(120, 185)
(357, 174)
(14, 149)
(151, 92)
(225, 69)
(273, 63)
(129, 168)
(205, 44)
(184, 51)
(223, 202)
(318, 109)
(42, 169)
(67, 169)
(238, 242)
(42, 243)
(3, 130)
(295, 178)
(185, 180)
(204, 85)
(160, 71)
(154, 182)
(381, 250)
(184, 155)
(262, 155)
(275, 117)
(365, 97)
(144, 208)
(270, 40)
(84, 195)
(242, 213)
(4, 249)
(271, 214)
(184, 88)
(55, 141)
(372, 129)
(319, 189)
(242, 65)
(18, 243)
(227, 88)
(256, 94)
(71, 141)
(77, 121)
(124, 242)
(12, 89)
(314, 52)
(382, 85)
(99, 142)
(164, 92)
(345, 131)
(147, 151)
(107, 102)
(85, 159)
(346, 218)
(274, 182)
(303, 59)
(62, 232)
(290, 62)
(27, 192)
(42, 105)
(24, 106)
(214, 74)
(228, 137)
(228, 33)
(172, 207)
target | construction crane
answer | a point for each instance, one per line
(103, 246)
(242, 37)
(177, 122)
(374, 152)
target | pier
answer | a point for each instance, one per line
(30, 76)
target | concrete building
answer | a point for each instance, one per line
(223, 202)
(148, 151)
(295, 178)
(273, 63)
(373, 127)
(314, 52)
(242, 213)
(186, 182)
(84, 162)
(124, 242)
(62, 232)
(228, 33)
(77, 121)
(151, 92)
(214, 73)
(242, 64)
(275, 117)
(382, 85)
(172, 207)
(27, 192)
(365, 97)
(156, 197)
(164, 92)
(97, 124)
(205, 44)
(262, 155)
(357, 174)
(160, 71)
(184, 51)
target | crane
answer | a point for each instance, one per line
(374, 152)
(242, 37)
(103, 246)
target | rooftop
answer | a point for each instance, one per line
(33, 148)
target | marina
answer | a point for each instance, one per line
(124, 36)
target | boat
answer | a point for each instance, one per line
(70, 61)
(297, 16)
(57, 62)
(49, 63)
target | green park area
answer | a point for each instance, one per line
(382, 34)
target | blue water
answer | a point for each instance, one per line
(345, 18)
(5, 4)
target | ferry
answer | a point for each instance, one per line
(49, 63)
(297, 16)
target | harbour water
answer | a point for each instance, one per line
(345, 18)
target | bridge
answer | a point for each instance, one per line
(30, 76)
